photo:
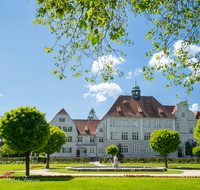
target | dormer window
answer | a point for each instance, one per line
(139, 110)
(183, 114)
(62, 119)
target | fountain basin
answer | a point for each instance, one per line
(122, 168)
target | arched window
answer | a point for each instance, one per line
(135, 149)
(124, 149)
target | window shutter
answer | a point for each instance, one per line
(70, 129)
(62, 150)
(63, 128)
(70, 150)
(70, 139)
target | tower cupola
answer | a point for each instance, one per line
(136, 92)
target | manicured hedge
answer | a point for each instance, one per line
(152, 160)
(22, 160)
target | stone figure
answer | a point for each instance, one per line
(115, 162)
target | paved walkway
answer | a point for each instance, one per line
(45, 172)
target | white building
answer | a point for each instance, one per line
(130, 121)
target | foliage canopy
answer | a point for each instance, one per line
(165, 142)
(189, 145)
(197, 131)
(88, 28)
(54, 143)
(92, 115)
(112, 150)
(196, 151)
(24, 130)
(5, 150)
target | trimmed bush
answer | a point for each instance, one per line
(36, 160)
(153, 160)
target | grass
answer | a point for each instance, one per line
(19, 167)
(107, 172)
(99, 183)
(183, 166)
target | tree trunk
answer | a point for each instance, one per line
(47, 166)
(166, 161)
(27, 163)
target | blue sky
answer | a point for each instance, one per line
(27, 80)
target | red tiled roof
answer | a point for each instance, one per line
(197, 114)
(62, 112)
(148, 104)
(86, 127)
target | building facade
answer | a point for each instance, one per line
(130, 121)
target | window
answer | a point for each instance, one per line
(147, 123)
(157, 124)
(67, 150)
(124, 149)
(101, 129)
(67, 129)
(124, 123)
(100, 139)
(59, 127)
(147, 149)
(113, 135)
(124, 135)
(91, 139)
(177, 125)
(100, 150)
(113, 123)
(91, 150)
(80, 139)
(147, 136)
(135, 123)
(69, 138)
(84, 151)
(191, 130)
(183, 114)
(134, 135)
(167, 124)
(62, 119)
(135, 149)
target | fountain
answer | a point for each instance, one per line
(115, 167)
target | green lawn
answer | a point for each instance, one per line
(99, 183)
(104, 172)
(17, 167)
(194, 166)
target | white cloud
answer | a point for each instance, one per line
(104, 90)
(138, 71)
(163, 60)
(129, 76)
(1, 94)
(195, 107)
(110, 60)
(181, 45)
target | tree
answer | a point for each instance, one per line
(25, 130)
(54, 143)
(165, 142)
(92, 115)
(197, 131)
(119, 154)
(189, 145)
(196, 151)
(88, 29)
(112, 150)
(5, 150)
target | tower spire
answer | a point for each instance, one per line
(136, 92)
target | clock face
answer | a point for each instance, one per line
(136, 92)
